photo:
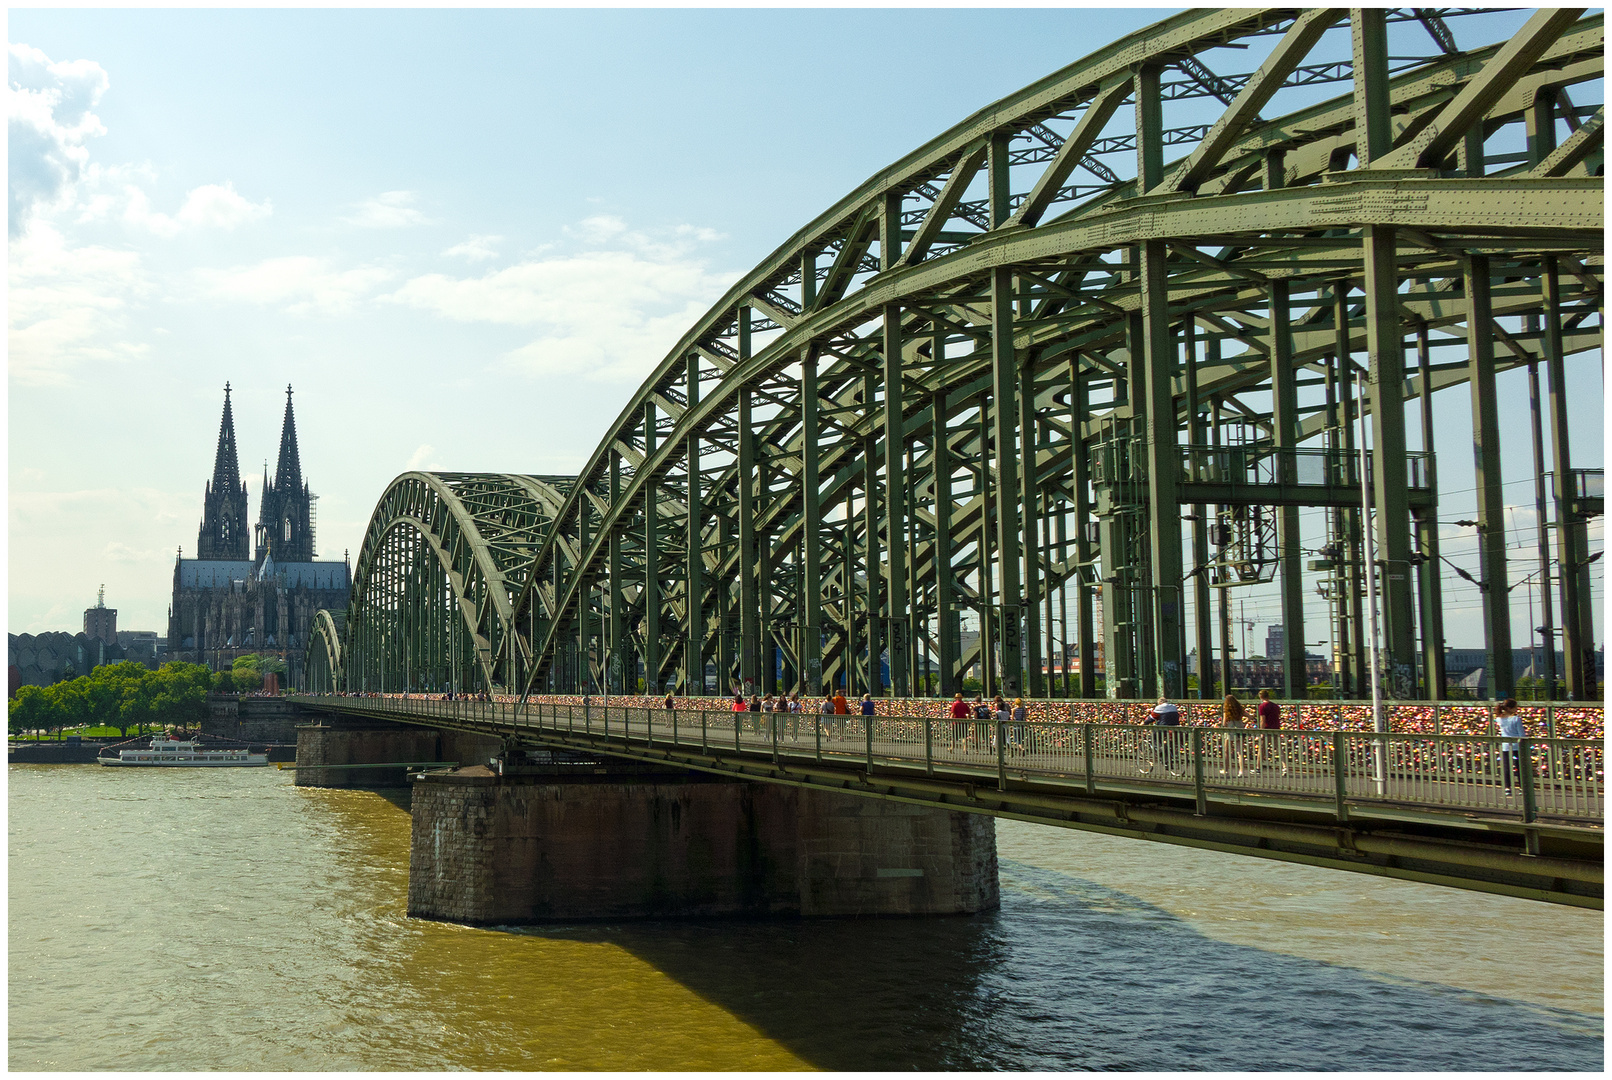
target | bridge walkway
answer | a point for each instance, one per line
(1425, 807)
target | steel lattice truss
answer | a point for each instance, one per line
(443, 564)
(1016, 356)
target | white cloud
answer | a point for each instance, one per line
(476, 248)
(65, 304)
(211, 206)
(388, 210)
(604, 314)
(421, 459)
(47, 120)
(303, 283)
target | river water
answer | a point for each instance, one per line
(223, 919)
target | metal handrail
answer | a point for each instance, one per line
(1525, 778)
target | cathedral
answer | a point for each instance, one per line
(229, 601)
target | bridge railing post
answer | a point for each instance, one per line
(1200, 797)
(1525, 766)
(1091, 776)
(772, 724)
(929, 748)
(817, 732)
(1340, 778)
(867, 731)
(1001, 756)
(704, 744)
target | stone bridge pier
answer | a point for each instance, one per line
(593, 841)
(378, 742)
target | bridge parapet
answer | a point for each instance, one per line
(1469, 810)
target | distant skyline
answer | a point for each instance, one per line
(463, 237)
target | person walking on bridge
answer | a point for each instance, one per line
(1231, 718)
(1270, 719)
(1163, 715)
(1510, 725)
(959, 713)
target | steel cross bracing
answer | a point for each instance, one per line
(436, 582)
(888, 429)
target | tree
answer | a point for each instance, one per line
(30, 710)
(181, 696)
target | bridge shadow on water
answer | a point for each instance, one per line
(1074, 975)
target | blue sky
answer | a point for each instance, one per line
(464, 236)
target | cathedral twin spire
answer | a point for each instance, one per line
(224, 533)
(284, 527)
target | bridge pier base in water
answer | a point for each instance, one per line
(378, 743)
(490, 849)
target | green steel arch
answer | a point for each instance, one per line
(434, 587)
(1044, 307)
(1005, 368)
(322, 669)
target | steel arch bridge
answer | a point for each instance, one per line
(1006, 367)
(443, 563)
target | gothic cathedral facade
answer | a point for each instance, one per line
(229, 601)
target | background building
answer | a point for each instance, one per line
(227, 604)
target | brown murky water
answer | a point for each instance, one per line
(222, 919)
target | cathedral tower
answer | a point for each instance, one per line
(224, 533)
(284, 525)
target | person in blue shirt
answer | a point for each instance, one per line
(1510, 724)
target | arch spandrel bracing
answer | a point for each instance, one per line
(956, 420)
(434, 586)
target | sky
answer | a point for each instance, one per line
(463, 237)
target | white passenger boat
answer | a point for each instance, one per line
(183, 753)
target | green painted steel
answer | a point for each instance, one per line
(960, 393)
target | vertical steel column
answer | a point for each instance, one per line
(652, 684)
(1004, 388)
(1578, 637)
(1157, 393)
(1202, 616)
(1227, 670)
(1369, 38)
(1432, 591)
(1285, 428)
(1080, 480)
(749, 600)
(946, 628)
(1351, 639)
(871, 560)
(1547, 625)
(988, 619)
(1385, 344)
(1030, 519)
(895, 500)
(1486, 466)
(618, 603)
(1163, 464)
(694, 556)
(811, 528)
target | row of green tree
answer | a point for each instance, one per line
(129, 696)
(125, 695)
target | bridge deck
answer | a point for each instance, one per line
(1432, 808)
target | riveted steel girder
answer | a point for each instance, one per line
(907, 418)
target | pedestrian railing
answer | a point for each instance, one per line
(1531, 779)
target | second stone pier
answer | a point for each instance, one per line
(490, 849)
